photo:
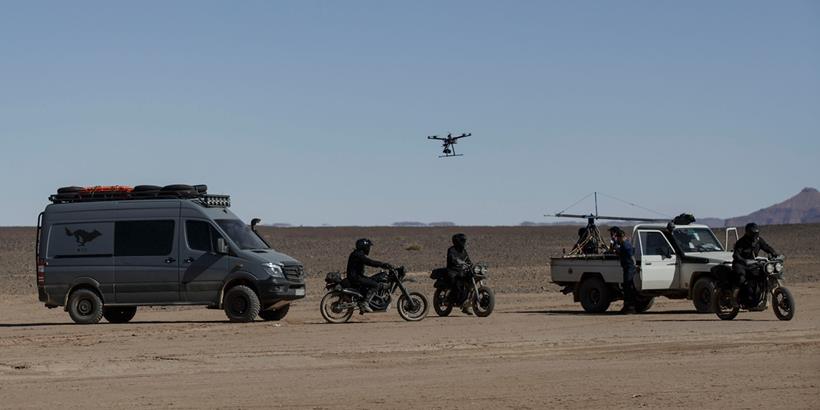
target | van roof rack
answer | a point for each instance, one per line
(73, 194)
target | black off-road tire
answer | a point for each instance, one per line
(643, 304)
(594, 295)
(441, 303)
(414, 308)
(241, 304)
(783, 304)
(119, 314)
(721, 301)
(702, 293)
(274, 315)
(69, 189)
(484, 302)
(178, 191)
(85, 307)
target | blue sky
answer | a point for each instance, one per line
(316, 112)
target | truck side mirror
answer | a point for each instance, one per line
(221, 246)
(254, 222)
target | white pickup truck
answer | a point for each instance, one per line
(673, 261)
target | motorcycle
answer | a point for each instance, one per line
(478, 295)
(764, 280)
(342, 299)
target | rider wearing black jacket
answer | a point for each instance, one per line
(457, 261)
(746, 250)
(356, 263)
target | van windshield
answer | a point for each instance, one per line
(241, 234)
(696, 240)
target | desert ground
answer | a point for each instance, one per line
(537, 350)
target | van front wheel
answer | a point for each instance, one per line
(241, 304)
(85, 307)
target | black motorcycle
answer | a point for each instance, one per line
(764, 279)
(342, 299)
(473, 292)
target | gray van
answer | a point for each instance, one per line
(103, 257)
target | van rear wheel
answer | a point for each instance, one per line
(241, 304)
(85, 307)
(277, 314)
(118, 314)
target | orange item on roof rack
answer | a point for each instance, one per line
(107, 188)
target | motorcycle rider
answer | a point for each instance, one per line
(356, 263)
(746, 250)
(457, 261)
(626, 254)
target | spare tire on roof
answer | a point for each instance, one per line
(145, 191)
(70, 189)
(178, 191)
(202, 189)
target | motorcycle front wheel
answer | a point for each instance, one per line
(783, 303)
(336, 307)
(724, 305)
(441, 302)
(484, 302)
(414, 308)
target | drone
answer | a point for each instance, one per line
(449, 144)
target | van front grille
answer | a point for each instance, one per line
(294, 272)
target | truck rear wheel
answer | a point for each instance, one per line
(85, 307)
(241, 304)
(702, 294)
(594, 295)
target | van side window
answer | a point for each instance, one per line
(143, 238)
(201, 236)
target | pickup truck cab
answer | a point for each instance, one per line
(673, 261)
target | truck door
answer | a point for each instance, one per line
(658, 261)
(146, 266)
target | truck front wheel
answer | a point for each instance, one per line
(594, 295)
(702, 294)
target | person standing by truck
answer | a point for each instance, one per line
(626, 255)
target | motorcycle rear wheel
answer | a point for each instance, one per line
(331, 310)
(414, 308)
(441, 302)
(783, 303)
(484, 302)
(724, 305)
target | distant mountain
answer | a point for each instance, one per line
(800, 209)
(442, 224)
(409, 223)
(712, 222)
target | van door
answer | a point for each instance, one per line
(203, 270)
(146, 261)
(658, 261)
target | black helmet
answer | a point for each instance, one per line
(616, 230)
(364, 245)
(460, 240)
(752, 229)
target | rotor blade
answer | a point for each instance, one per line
(609, 218)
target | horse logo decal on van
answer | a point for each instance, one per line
(82, 236)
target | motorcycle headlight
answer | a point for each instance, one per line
(769, 268)
(778, 267)
(477, 270)
(274, 270)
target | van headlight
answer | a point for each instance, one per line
(769, 268)
(778, 267)
(274, 270)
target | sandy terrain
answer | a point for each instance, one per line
(537, 350)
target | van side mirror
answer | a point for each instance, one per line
(254, 222)
(221, 246)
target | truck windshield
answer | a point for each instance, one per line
(696, 240)
(241, 234)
